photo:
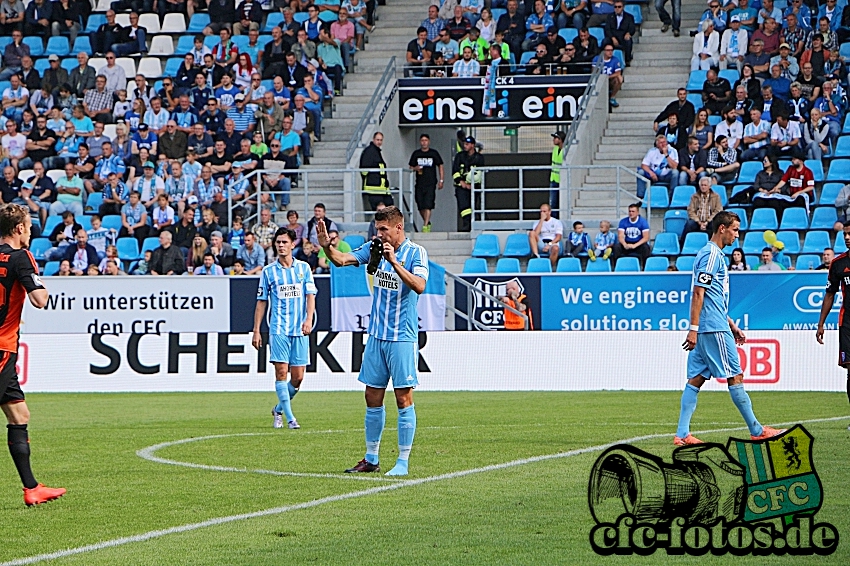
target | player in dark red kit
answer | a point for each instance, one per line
(18, 279)
(839, 280)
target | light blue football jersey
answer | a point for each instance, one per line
(710, 273)
(286, 290)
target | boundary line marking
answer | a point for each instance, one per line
(142, 537)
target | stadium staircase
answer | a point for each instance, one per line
(660, 66)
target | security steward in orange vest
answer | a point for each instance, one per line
(519, 301)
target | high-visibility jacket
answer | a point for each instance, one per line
(374, 182)
(557, 160)
(514, 321)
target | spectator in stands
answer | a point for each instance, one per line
(702, 130)
(295, 226)
(733, 45)
(632, 236)
(703, 206)
(343, 33)
(10, 185)
(827, 256)
(831, 106)
(222, 15)
(167, 259)
(692, 163)
(131, 39)
(434, 24)
(512, 24)
(13, 54)
(603, 243)
(447, 46)
(337, 243)
(730, 128)
(318, 216)
(715, 15)
(40, 143)
(577, 242)
(418, 53)
(780, 86)
(83, 255)
(796, 30)
(38, 17)
(307, 253)
(252, 256)
(797, 106)
(843, 31)
(786, 139)
(29, 76)
(540, 64)
(208, 267)
(722, 161)
(742, 105)
(472, 10)
(716, 92)
(587, 47)
(12, 14)
(68, 193)
(184, 231)
(134, 219)
(115, 195)
(54, 76)
(769, 36)
(545, 238)
(43, 190)
(458, 26)
(756, 137)
(15, 100)
(658, 166)
(737, 261)
(619, 29)
(250, 14)
(817, 55)
(683, 108)
(222, 252)
(66, 18)
(601, 9)
(195, 255)
(794, 189)
(758, 59)
(612, 68)
(788, 66)
(265, 229)
(676, 134)
(536, 25)
(706, 48)
(815, 134)
(486, 26)
(767, 263)
(107, 34)
(375, 183)
(97, 101)
(481, 48)
(269, 115)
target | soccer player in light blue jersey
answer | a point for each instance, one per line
(713, 337)
(288, 285)
(393, 347)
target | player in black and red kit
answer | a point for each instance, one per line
(839, 280)
(18, 279)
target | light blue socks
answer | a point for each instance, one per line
(745, 406)
(292, 390)
(375, 419)
(406, 432)
(689, 405)
(283, 405)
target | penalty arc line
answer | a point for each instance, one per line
(354, 495)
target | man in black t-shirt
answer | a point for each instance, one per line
(40, 143)
(10, 185)
(428, 165)
(418, 55)
(838, 280)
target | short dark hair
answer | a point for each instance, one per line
(11, 216)
(636, 205)
(577, 223)
(420, 29)
(209, 254)
(766, 249)
(285, 232)
(389, 214)
(319, 205)
(723, 218)
(829, 249)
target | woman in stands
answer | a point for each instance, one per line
(487, 25)
(195, 257)
(738, 261)
(242, 72)
(702, 130)
(134, 116)
(767, 178)
(121, 145)
(135, 169)
(749, 81)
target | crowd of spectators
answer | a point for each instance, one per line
(168, 156)
(469, 39)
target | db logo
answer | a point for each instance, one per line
(22, 367)
(760, 360)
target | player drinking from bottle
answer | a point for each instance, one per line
(713, 336)
(19, 278)
(288, 285)
(392, 349)
(838, 281)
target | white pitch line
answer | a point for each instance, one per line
(355, 494)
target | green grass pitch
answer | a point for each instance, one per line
(535, 513)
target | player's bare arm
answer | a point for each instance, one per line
(38, 298)
(697, 298)
(259, 313)
(335, 256)
(740, 337)
(307, 327)
(416, 283)
(828, 301)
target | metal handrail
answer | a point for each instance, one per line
(471, 291)
(389, 74)
(589, 91)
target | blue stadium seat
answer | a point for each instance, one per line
(355, 240)
(517, 246)
(497, 13)
(656, 264)
(791, 241)
(842, 148)
(539, 265)
(184, 45)
(486, 245)
(829, 193)
(81, 44)
(69, 64)
(839, 170)
(51, 268)
(839, 246)
(806, 262)
(95, 21)
(694, 242)
(42, 65)
(685, 263)
(128, 249)
(674, 221)
(824, 218)
(742, 214)
(36, 45)
(682, 196)
(272, 21)
(4, 41)
(754, 243)
(816, 241)
(846, 128)
(748, 172)
(816, 165)
(696, 80)
(568, 265)
(328, 17)
(172, 65)
(666, 243)
(598, 33)
(598, 266)
(730, 75)
(58, 45)
(794, 219)
(628, 264)
(635, 11)
(525, 58)
(198, 23)
(844, 50)
(507, 265)
(93, 203)
(764, 219)
(475, 265)
(300, 17)
(151, 244)
(753, 261)
(569, 34)
(659, 197)
(38, 246)
(110, 221)
(211, 41)
(714, 119)
(53, 222)
(695, 99)
(84, 221)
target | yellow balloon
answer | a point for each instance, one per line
(770, 237)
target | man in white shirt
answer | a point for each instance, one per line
(116, 79)
(756, 137)
(14, 146)
(163, 215)
(785, 139)
(546, 236)
(733, 45)
(15, 99)
(157, 117)
(658, 166)
(149, 186)
(731, 127)
(467, 67)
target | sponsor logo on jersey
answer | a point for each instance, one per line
(289, 291)
(387, 280)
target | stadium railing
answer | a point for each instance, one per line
(380, 95)
(475, 296)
